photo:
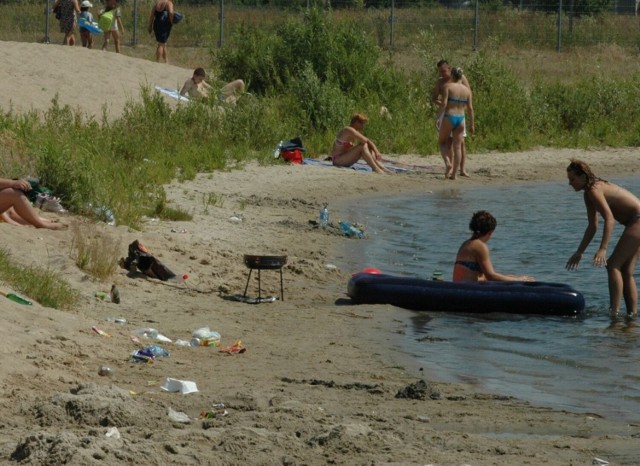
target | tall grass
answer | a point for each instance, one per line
(94, 250)
(40, 284)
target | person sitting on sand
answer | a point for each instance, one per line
(346, 152)
(16, 209)
(473, 263)
(613, 203)
(197, 88)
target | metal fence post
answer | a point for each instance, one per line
(221, 39)
(134, 37)
(47, 12)
(392, 21)
(476, 22)
(559, 25)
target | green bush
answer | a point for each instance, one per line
(339, 51)
(501, 105)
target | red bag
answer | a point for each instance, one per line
(292, 156)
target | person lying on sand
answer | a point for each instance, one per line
(346, 152)
(15, 208)
(197, 88)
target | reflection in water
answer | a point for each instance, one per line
(585, 363)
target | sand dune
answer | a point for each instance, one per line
(88, 80)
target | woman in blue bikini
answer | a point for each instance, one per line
(613, 203)
(456, 99)
(473, 263)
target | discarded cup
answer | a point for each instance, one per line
(183, 386)
(112, 432)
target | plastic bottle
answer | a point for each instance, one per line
(17, 299)
(356, 232)
(350, 230)
(105, 215)
(115, 295)
(147, 332)
(276, 151)
(324, 216)
(345, 227)
(117, 320)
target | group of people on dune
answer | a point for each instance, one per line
(73, 14)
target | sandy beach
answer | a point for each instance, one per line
(320, 378)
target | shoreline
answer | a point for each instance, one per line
(320, 377)
(407, 353)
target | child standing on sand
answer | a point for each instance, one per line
(85, 14)
(117, 29)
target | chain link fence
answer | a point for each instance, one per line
(395, 25)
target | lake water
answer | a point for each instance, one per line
(585, 364)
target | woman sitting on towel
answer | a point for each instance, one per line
(351, 145)
(473, 263)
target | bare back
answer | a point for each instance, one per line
(623, 204)
(458, 97)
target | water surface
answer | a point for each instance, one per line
(585, 364)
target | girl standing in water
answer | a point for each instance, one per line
(613, 203)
